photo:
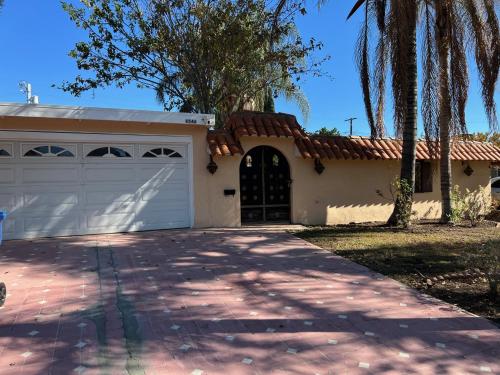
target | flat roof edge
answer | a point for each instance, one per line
(103, 114)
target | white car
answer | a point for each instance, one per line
(495, 188)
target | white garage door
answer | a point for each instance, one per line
(57, 188)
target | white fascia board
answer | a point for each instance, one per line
(91, 137)
(103, 114)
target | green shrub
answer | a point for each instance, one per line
(472, 205)
(458, 204)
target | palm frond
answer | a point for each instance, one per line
(380, 65)
(299, 98)
(356, 7)
(459, 76)
(398, 30)
(363, 62)
(486, 49)
(430, 82)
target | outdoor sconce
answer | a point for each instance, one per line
(212, 166)
(318, 166)
(468, 170)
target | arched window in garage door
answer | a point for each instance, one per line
(5, 151)
(109, 152)
(49, 151)
(161, 152)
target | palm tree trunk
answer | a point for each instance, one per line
(444, 110)
(403, 206)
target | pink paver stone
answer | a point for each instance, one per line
(206, 302)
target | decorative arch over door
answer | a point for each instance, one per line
(264, 186)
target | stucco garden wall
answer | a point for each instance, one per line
(347, 191)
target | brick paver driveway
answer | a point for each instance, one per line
(229, 302)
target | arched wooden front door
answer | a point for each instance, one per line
(264, 186)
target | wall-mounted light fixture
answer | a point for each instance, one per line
(468, 170)
(318, 166)
(248, 161)
(212, 166)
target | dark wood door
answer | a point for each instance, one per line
(264, 186)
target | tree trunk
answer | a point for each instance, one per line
(403, 205)
(443, 42)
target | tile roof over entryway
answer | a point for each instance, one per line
(364, 148)
(226, 141)
(222, 143)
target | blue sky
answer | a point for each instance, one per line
(35, 37)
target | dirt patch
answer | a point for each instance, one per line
(426, 251)
(494, 216)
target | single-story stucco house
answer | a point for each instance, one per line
(74, 170)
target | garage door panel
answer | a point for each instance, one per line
(52, 197)
(169, 173)
(7, 175)
(7, 201)
(162, 208)
(112, 220)
(109, 209)
(112, 174)
(174, 193)
(49, 199)
(52, 225)
(174, 213)
(101, 197)
(46, 210)
(53, 174)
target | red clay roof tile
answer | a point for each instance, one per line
(390, 149)
(264, 125)
(225, 142)
(222, 143)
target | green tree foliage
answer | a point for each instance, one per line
(197, 55)
(269, 101)
(325, 132)
(486, 137)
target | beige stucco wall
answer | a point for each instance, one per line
(345, 192)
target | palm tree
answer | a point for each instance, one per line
(450, 27)
(397, 47)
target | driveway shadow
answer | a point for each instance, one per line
(237, 302)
